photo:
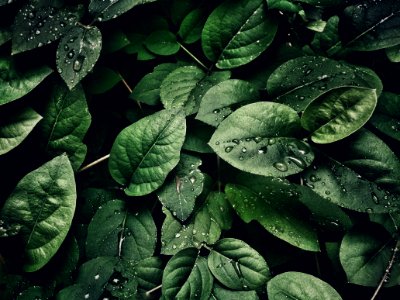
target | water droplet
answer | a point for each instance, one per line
(314, 178)
(308, 71)
(258, 139)
(262, 150)
(244, 150)
(96, 277)
(228, 149)
(271, 141)
(369, 210)
(327, 192)
(217, 143)
(177, 235)
(40, 44)
(194, 231)
(216, 111)
(66, 47)
(236, 141)
(37, 32)
(71, 54)
(87, 296)
(298, 162)
(173, 246)
(77, 66)
(192, 179)
(280, 166)
(241, 157)
(375, 198)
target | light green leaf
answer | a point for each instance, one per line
(365, 253)
(386, 117)
(237, 266)
(16, 127)
(78, 51)
(393, 53)
(145, 152)
(219, 101)
(15, 83)
(301, 286)
(162, 42)
(180, 193)
(338, 113)
(186, 276)
(301, 80)
(256, 139)
(65, 122)
(277, 210)
(237, 32)
(43, 202)
(101, 80)
(191, 26)
(117, 231)
(107, 10)
(219, 293)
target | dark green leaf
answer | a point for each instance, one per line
(101, 80)
(16, 127)
(115, 41)
(149, 273)
(197, 137)
(237, 266)
(191, 26)
(237, 32)
(77, 53)
(145, 152)
(5, 35)
(179, 9)
(301, 286)
(91, 200)
(186, 276)
(219, 293)
(393, 53)
(255, 139)
(162, 42)
(328, 40)
(284, 5)
(43, 202)
(33, 292)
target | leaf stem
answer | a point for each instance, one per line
(128, 88)
(97, 161)
(194, 57)
(385, 276)
(149, 292)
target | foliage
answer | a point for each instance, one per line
(181, 149)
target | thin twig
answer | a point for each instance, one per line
(386, 275)
(149, 292)
(128, 88)
(97, 161)
(194, 57)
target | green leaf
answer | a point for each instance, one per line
(33, 292)
(328, 40)
(77, 53)
(338, 113)
(16, 127)
(386, 117)
(393, 53)
(114, 41)
(5, 35)
(180, 193)
(149, 273)
(218, 101)
(101, 80)
(237, 32)
(40, 23)
(296, 285)
(219, 293)
(301, 80)
(197, 136)
(186, 276)
(15, 83)
(147, 89)
(145, 152)
(237, 266)
(365, 253)
(276, 210)
(179, 9)
(107, 10)
(284, 5)
(43, 202)
(162, 42)
(66, 120)
(191, 26)
(255, 139)
(371, 26)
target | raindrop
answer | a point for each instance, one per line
(37, 32)
(62, 24)
(297, 161)
(71, 54)
(236, 141)
(216, 111)
(244, 150)
(217, 143)
(177, 235)
(375, 198)
(194, 231)
(314, 178)
(173, 246)
(66, 47)
(258, 139)
(192, 179)
(87, 296)
(40, 24)
(228, 149)
(78, 63)
(96, 277)
(307, 72)
(271, 141)
(262, 150)
(241, 157)
(369, 210)
(40, 45)
(280, 166)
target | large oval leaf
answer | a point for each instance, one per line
(301, 286)
(186, 276)
(43, 202)
(116, 231)
(145, 152)
(301, 80)
(15, 83)
(255, 138)
(338, 113)
(237, 266)
(16, 127)
(77, 53)
(237, 32)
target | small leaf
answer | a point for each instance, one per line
(237, 32)
(219, 293)
(328, 40)
(65, 122)
(338, 113)
(162, 42)
(145, 152)
(186, 276)
(15, 84)
(77, 53)
(191, 26)
(218, 101)
(101, 80)
(301, 286)
(255, 139)
(43, 202)
(237, 266)
(16, 127)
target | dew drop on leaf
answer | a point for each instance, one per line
(228, 149)
(280, 166)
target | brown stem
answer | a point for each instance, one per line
(128, 88)
(148, 293)
(97, 161)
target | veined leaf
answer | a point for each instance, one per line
(191, 26)
(296, 285)
(338, 113)
(279, 212)
(16, 127)
(238, 266)
(15, 84)
(77, 53)
(65, 122)
(301, 80)
(237, 32)
(148, 274)
(145, 152)
(219, 293)
(162, 42)
(43, 202)
(186, 276)
(218, 101)
(256, 139)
